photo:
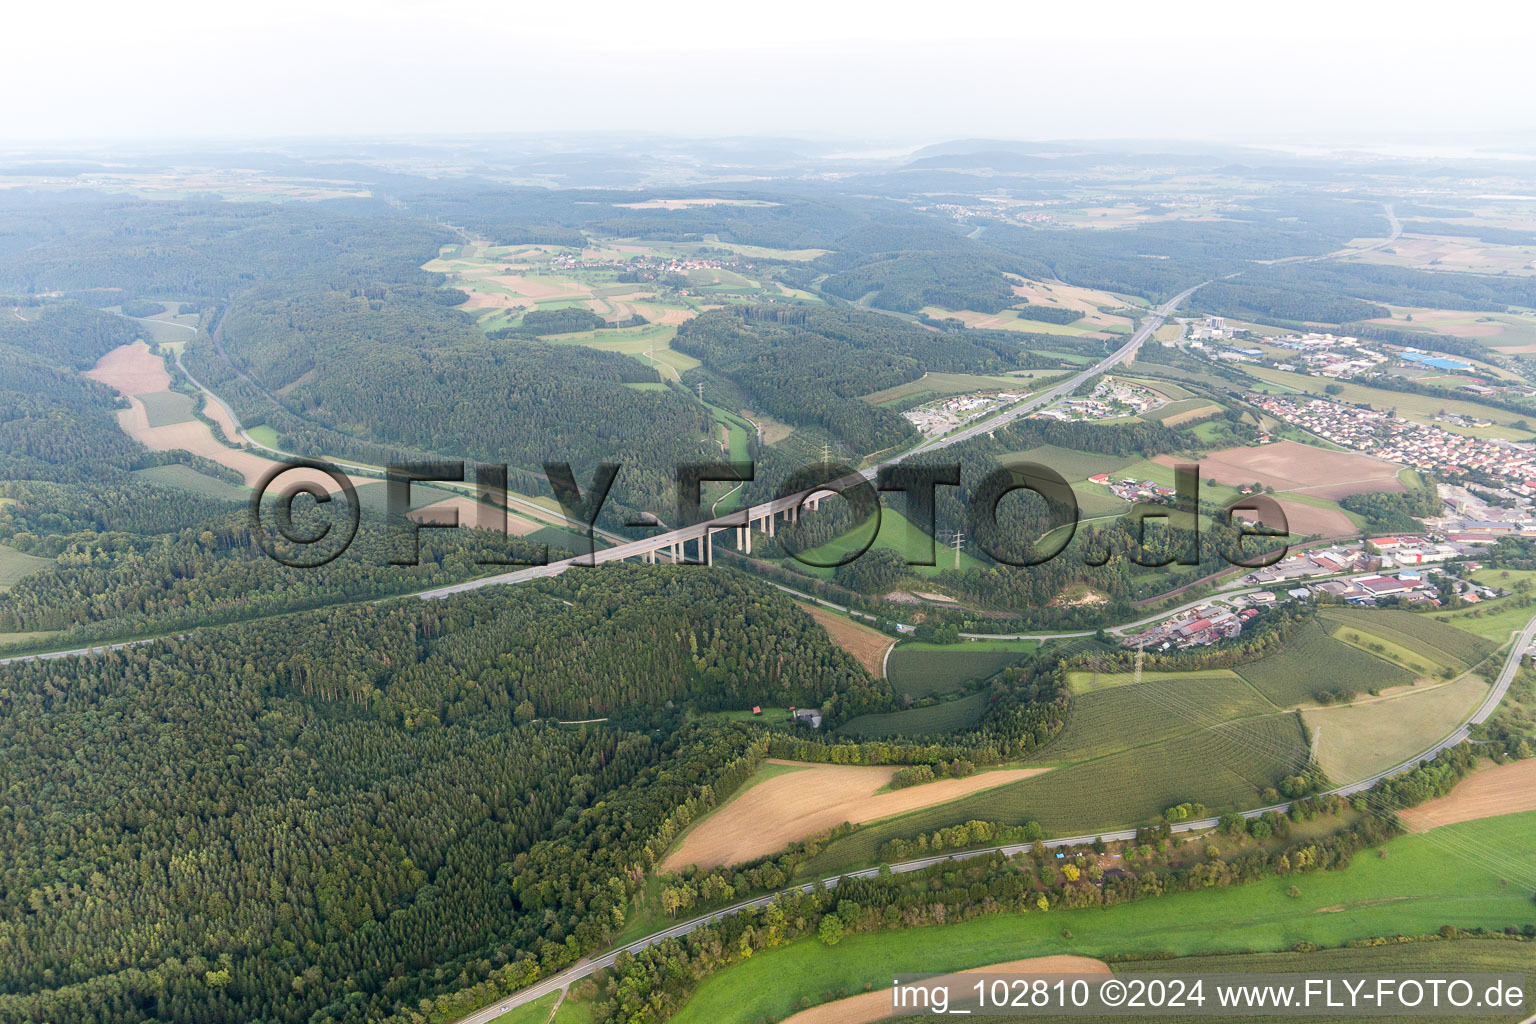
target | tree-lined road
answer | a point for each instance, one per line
(583, 968)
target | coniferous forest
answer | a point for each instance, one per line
(236, 790)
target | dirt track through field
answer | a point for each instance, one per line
(779, 810)
(1507, 789)
(873, 1006)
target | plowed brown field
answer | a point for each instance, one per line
(777, 811)
(873, 1006)
(1291, 466)
(868, 646)
(1507, 789)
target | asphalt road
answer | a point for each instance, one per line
(1127, 351)
(583, 968)
(689, 534)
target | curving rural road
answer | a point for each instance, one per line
(1127, 351)
(583, 968)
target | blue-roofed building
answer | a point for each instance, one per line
(1438, 362)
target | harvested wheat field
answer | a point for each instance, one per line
(873, 1006)
(132, 370)
(775, 812)
(134, 366)
(495, 300)
(1190, 415)
(195, 437)
(1292, 466)
(1507, 789)
(1307, 520)
(868, 646)
(666, 316)
(216, 411)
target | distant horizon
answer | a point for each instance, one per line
(1508, 144)
(1197, 70)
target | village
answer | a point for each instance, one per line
(1403, 569)
(648, 267)
(1389, 437)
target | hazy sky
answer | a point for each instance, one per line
(872, 70)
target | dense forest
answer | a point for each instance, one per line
(119, 248)
(394, 771)
(55, 424)
(310, 801)
(394, 367)
(810, 366)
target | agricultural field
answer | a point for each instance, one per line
(1092, 322)
(264, 435)
(1111, 720)
(1182, 411)
(1491, 792)
(1506, 579)
(650, 343)
(1430, 639)
(938, 385)
(1168, 389)
(924, 670)
(1312, 661)
(1082, 681)
(1292, 468)
(1357, 740)
(1424, 882)
(1494, 620)
(1418, 408)
(786, 801)
(14, 565)
(185, 478)
(868, 646)
(897, 533)
(1402, 655)
(1452, 253)
(1074, 466)
(138, 374)
(932, 720)
(1306, 513)
(872, 1006)
(1224, 767)
(1428, 958)
(536, 1012)
(505, 282)
(164, 408)
(171, 331)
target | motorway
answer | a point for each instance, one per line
(583, 968)
(633, 549)
(628, 549)
(1126, 352)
